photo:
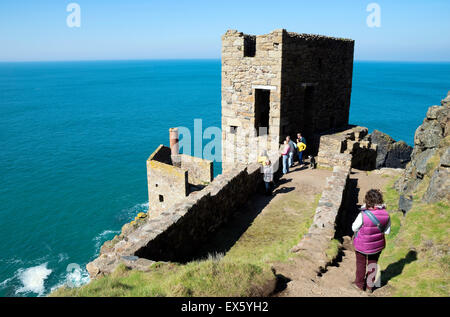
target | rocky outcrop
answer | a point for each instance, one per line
(390, 154)
(428, 173)
(439, 187)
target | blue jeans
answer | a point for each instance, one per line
(285, 164)
(291, 159)
(268, 187)
(300, 157)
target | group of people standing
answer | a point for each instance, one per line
(291, 148)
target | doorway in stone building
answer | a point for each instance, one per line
(308, 117)
(262, 111)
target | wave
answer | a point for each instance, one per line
(128, 214)
(102, 237)
(11, 261)
(62, 257)
(33, 279)
(75, 277)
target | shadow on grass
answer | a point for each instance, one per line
(395, 269)
(226, 236)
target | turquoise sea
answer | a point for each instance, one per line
(74, 138)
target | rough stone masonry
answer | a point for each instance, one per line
(285, 82)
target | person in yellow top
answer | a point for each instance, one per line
(301, 148)
(263, 158)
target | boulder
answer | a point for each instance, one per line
(390, 153)
(433, 112)
(446, 101)
(383, 141)
(421, 161)
(405, 203)
(398, 155)
(445, 158)
(439, 187)
(443, 117)
(428, 135)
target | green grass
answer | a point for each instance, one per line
(416, 261)
(276, 231)
(333, 250)
(243, 272)
(212, 277)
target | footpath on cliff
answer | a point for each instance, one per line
(267, 228)
(301, 274)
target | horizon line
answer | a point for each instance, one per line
(200, 59)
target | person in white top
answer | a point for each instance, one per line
(357, 224)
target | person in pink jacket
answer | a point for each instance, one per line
(285, 150)
(370, 227)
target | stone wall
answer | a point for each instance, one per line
(176, 233)
(316, 84)
(348, 148)
(200, 171)
(167, 184)
(241, 75)
(307, 79)
(315, 243)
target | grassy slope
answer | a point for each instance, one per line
(243, 271)
(416, 261)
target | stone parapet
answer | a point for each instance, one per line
(348, 148)
(323, 229)
(178, 231)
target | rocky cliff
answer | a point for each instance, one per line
(390, 153)
(426, 177)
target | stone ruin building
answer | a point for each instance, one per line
(273, 85)
(172, 176)
(285, 82)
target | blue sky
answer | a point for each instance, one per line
(31, 30)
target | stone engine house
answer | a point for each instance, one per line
(172, 176)
(284, 82)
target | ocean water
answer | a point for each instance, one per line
(75, 136)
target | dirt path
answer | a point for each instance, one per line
(336, 281)
(259, 218)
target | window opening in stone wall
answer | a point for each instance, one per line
(262, 111)
(249, 46)
(161, 198)
(233, 129)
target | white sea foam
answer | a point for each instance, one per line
(33, 279)
(12, 261)
(130, 213)
(77, 277)
(5, 282)
(126, 215)
(62, 257)
(99, 239)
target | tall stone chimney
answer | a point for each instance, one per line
(174, 147)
